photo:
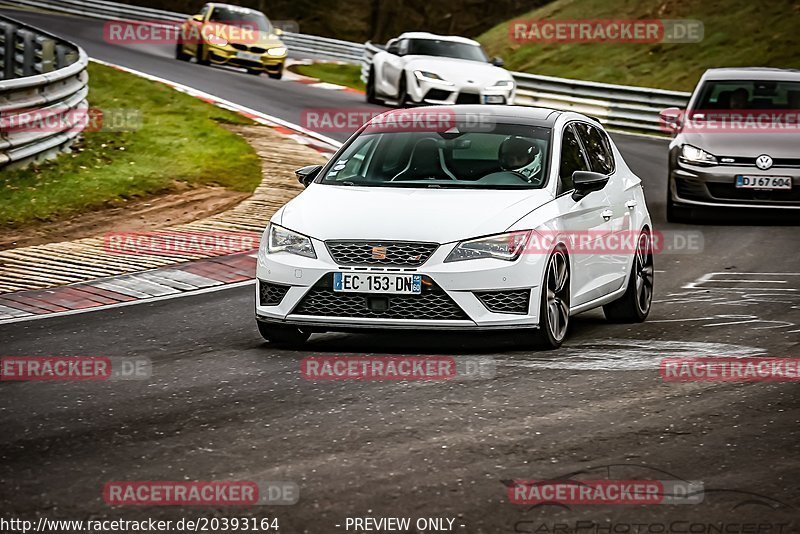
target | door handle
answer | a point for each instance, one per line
(607, 214)
(631, 204)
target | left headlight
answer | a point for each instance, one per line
(507, 247)
(504, 83)
(277, 51)
(280, 239)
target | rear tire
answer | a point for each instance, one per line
(282, 335)
(554, 302)
(180, 55)
(634, 305)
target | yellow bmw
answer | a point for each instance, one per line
(224, 34)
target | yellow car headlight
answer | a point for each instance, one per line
(277, 51)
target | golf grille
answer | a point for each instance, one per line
(432, 304)
(271, 294)
(385, 253)
(514, 301)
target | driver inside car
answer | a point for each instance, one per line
(520, 155)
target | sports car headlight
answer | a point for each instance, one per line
(277, 51)
(422, 75)
(504, 83)
(693, 154)
(280, 239)
(507, 247)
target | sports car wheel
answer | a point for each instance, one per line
(634, 305)
(554, 308)
(201, 59)
(180, 54)
(371, 98)
(402, 94)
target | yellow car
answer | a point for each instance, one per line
(223, 34)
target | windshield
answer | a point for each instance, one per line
(508, 157)
(752, 94)
(433, 47)
(243, 18)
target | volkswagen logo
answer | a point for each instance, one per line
(763, 162)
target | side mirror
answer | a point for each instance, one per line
(497, 61)
(586, 182)
(671, 120)
(278, 32)
(305, 175)
(197, 18)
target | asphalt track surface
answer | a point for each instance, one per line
(224, 405)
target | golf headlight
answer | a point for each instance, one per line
(507, 247)
(425, 76)
(277, 51)
(693, 154)
(504, 83)
(280, 239)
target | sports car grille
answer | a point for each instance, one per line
(245, 48)
(433, 304)
(514, 301)
(468, 98)
(388, 253)
(271, 294)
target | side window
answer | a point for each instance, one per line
(598, 148)
(354, 164)
(572, 159)
(204, 11)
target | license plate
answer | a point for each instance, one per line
(249, 56)
(494, 99)
(388, 284)
(763, 182)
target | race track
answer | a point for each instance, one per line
(222, 404)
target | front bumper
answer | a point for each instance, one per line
(437, 93)
(459, 295)
(266, 63)
(714, 186)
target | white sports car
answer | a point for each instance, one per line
(418, 68)
(514, 226)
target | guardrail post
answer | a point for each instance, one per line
(24, 54)
(46, 54)
(7, 40)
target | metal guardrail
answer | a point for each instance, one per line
(43, 81)
(618, 107)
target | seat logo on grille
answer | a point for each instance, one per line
(378, 253)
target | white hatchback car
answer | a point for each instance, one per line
(510, 222)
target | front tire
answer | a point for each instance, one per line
(371, 97)
(402, 93)
(554, 305)
(276, 75)
(634, 305)
(282, 335)
(254, 72)
(180, 55)
(201, 59)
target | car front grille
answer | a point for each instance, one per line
(468, 98)
(271, 294)
(433, 304)
(437, 94)
(381, 253)
(513, 301)
(776, 162)
(238, 46)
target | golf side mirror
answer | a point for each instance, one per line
(671, 119)
(497, 61)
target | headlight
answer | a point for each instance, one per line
(696, 155)
(422, 75)
(507, 247)
(504, 83)
(277, 51)
(280, 239)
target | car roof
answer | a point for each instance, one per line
(528, 115)
(426, 35)
(232, 6)
(752, 73)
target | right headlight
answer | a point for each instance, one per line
(280, 239)
(692, 154)
(508, 247)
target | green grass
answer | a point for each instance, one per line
(180, 141)
(737, 33)
(347, 75)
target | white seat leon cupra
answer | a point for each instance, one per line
(460, 218)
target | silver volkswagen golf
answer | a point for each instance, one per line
(737, 144)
